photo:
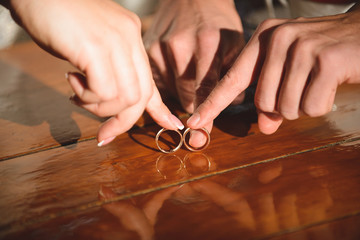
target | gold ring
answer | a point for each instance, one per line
(200, 148)
(171, 150)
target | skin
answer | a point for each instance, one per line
(191, 45)
(299, 63)
(103, 40)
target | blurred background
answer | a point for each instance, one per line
(252, 13)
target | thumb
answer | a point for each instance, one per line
(269, 122)
(198, 138)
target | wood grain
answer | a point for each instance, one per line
(302, 195)
(57, 184)
(35, 111)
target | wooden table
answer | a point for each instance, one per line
(302, 182)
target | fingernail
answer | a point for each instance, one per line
(67, 76)
(106, 141)
(334, 107)
(176, 122)
(193, 120)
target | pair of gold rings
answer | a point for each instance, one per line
(183, 140)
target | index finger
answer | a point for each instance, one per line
(236, 80)
(160, 112)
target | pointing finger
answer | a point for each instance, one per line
(233, 83)
(160, 113)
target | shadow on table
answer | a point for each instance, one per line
(236, 120)
(25, 100)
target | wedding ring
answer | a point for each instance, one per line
(171, 150)
(204, 130)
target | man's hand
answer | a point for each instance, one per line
(299, 64)
(191, 44)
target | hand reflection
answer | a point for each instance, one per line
(138, 219)
(269, 205)
(142, 219)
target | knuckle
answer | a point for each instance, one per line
(263, 105)
(177, 41)
(102, 114)
(281, 34)
(134, 20)
(188, 107)
(187, 104)
(131, 22)
(99, 111)
(132, 98)
(327, 57)
(288, 114)
(313, 110)
(267, 24)
(303, 44)
(154, 49)
(208, 37)
(106, 94)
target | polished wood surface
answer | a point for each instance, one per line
(33, 88)
(300, 183)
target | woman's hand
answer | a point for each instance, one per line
(103, 40)
(191, 44)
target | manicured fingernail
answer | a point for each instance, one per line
(176, 122)
(106, 141)
(334, 107)
(67, 76)
(193, 120)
